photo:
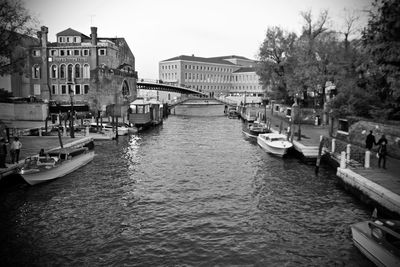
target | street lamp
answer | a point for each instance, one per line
(71, 121)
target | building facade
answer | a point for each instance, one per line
(97, 71)
(216, 75)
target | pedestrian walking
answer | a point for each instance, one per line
(370, 141)
(3, 153)
(15, 148)
(382, 151)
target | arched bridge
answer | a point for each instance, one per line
(168, 87)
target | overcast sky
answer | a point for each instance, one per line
(160, 29)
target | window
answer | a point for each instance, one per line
(343, 126)
(62, 52)
(76, 52)
(62, 71)
(54, 89)
(63, 89)
(78, 89)
(36, 89)
(60, 39)
(86, 71)
(69, 52)
(36, 72)
(86, 52)
(69, 72)
(36, 53)
(53, 71)
(68, 40)
(86, 89)
(71, 89)
(75, 40)
(102, 52)
(77, 71)
(53, 52)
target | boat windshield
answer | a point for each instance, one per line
(277, 139)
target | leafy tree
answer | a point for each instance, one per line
(381, 38)
(314, 50)
(276, 61)
(14, 25)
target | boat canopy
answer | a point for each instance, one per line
(140, 105)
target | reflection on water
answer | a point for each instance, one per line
(193, 191)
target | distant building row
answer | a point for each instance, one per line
(97, 71)
(233, 75)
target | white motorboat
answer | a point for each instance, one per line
(122, 129)
(255, 129)
(56, 163)
(99, 133)
(274, 143)
(378, 240)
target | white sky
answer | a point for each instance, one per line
(157, 30)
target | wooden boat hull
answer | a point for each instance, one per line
(372, 249)
(61, 170)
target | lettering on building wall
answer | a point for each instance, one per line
(70, 59)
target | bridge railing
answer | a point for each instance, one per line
(176, 84)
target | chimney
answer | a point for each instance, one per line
(93, 35)
(39, 36)
(44, 33)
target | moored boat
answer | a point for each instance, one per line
(122, 129)
(255, 129)
(232, 113)
(57, 163)
(274, 143)
(99, 133)
(378, 240)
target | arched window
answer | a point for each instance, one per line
(70, 72)
(77, 71)
(62, 71)
(53, 71)
(36, 72)
(125, 89)
(86, 71)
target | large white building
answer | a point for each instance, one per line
(234, 75)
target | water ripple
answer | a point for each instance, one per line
(193, 192)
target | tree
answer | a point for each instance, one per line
(381, 38)
(275, 57)
(312, 54)
(15, 23)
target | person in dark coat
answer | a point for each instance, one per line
(370, 141)
(382, 151)
(3, 153)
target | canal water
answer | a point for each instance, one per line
(192, 192)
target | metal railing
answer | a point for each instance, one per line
(355, 156)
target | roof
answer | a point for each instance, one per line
(140, 101)
(245, 69)
(71, 32)
(231, 57)
(200, 59)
